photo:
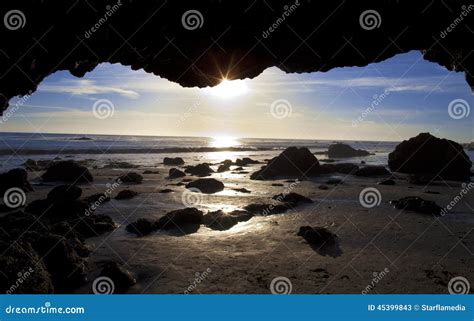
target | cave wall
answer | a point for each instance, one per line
(237, 39)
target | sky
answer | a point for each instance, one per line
(388, 101)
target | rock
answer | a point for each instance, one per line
(206, 185)
(180, 218)
(266, 209)
(340, 150)
(225, 166)
(292, 199)
(94, 225)
(148, 172)
(37, 165)
(277, 184)
(121, 277)
(176, 161)
(240, 168)
(126, 194)
(431, 156)
(317, 235)
(166, 191)
(242, 190)
(142, 227)
(372, 170)
(200, 170)
(220, 221)
(65, 192)
(245, 161)
(67, 171)
(96, 199)
(133, 178)
(387, 182)
(417, 204)
(323, 187)
(30, 269)
(334, 181)
(58, 210)
(15, 178)
(293, 162)
(175, 173)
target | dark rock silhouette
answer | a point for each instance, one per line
(200, 170)
(417, 204)
(126, 194)
(225, 166)
(65, 192)
(321, 240)
(122, 278)
(372, 170)
(176, 161)
(340, 150)
(292, 199)
(187, 219)
(142, 227)
(387, 182)
(293, 162)
(266, 209)
(14, 178)
(132, 177)
(67, 171)
(175, 173)
(219, 220)
(206, 185)
(431, 156)
(245, 161)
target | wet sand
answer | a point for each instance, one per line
(420, 252)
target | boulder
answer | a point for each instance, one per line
(387, 182)
(372, 170)
(206, 185)
(266, 209)
(67, 171)
(58, 210)
(430, 156)
(121, 277)
(340, 150)
(17, 177)
(293, 162)
(317, 235)
(220, 221)
(173, 161)
(142, 227)
(126, 194)
(225, 166)
(131, 178)
(175, 173)
(417, 204)
(65, 192)
(180, 219)
(292, 199)
(200, 170)
(245, 161)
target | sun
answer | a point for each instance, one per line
(229, 89)
(224, 141)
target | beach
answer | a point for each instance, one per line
(380, 249)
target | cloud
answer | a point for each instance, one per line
(85, 87)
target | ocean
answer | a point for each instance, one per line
(16, 148)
